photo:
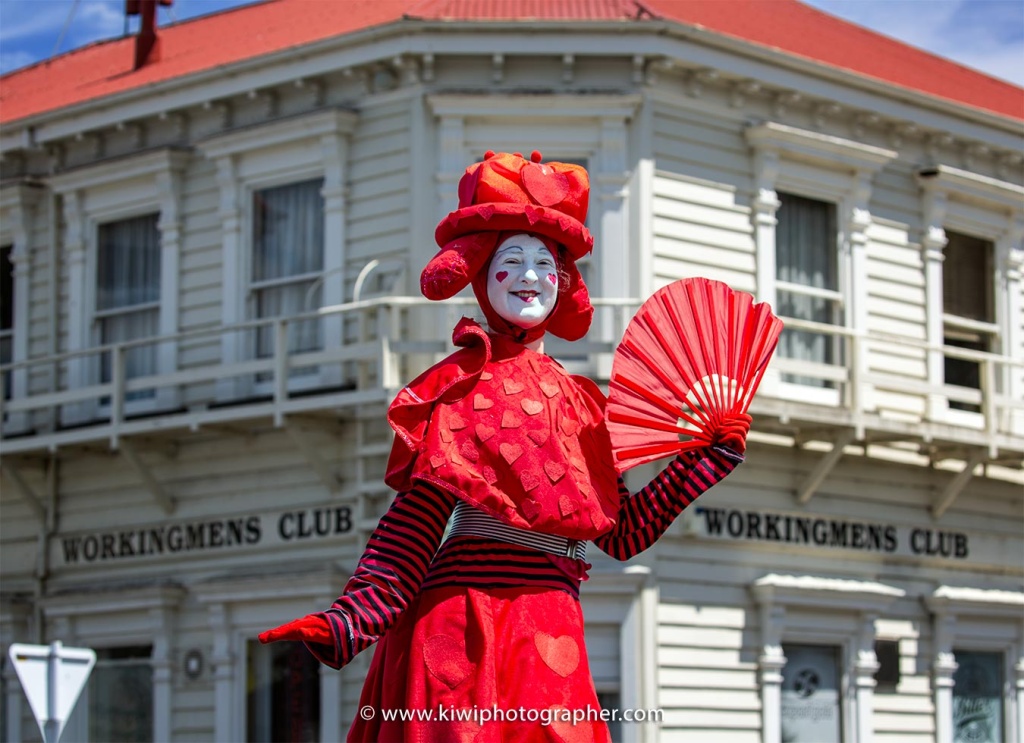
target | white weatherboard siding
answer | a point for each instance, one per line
(679, 139)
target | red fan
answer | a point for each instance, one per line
(693, 355)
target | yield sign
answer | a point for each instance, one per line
(53, 676)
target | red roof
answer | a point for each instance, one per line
(217, 40)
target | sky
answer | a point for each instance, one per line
(987, 35)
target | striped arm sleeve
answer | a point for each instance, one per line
(644, 516)
(389, 573)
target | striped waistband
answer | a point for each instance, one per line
(469, 521)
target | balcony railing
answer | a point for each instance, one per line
(381, 343)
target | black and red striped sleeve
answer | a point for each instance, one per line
(389, 573)
(645, 515)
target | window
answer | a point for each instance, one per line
(807, 281)
(128, 292)
(811, 711)
(288, 260)
(6, 314)
(968, 308)
(978, 697)
(887, 677)
(120, 695)
(283, 698)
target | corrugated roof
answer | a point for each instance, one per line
(218, 40)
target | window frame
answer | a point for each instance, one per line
(988, 209)
(110, 618)
(19, 202)
(109, 191)
(986, 620)
(249, 159)
(810, 610)
(825, 168)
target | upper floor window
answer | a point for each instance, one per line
(968, 307)
(807, 280)
(128, 291)
(6, 314)
(288, 261)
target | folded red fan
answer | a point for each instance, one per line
(689, 363)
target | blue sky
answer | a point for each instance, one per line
(987, 35)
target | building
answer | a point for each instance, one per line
(193, 435)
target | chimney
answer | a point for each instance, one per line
(145, 40)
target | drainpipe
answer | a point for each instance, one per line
(46, 532)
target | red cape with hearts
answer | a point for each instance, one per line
(511, 432)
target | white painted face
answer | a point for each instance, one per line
(522, 281)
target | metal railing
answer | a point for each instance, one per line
(373, 346)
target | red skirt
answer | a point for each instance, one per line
(469, 664)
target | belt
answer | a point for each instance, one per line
(469, 521)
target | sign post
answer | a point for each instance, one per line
(53, 677)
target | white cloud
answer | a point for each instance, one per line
(987, 35)
(14, 60)
(20, 21)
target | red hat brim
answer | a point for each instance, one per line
(512, 217)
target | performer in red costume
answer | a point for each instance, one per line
(502, 442)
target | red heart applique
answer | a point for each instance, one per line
(483, 432)
(512, 387)
(569, 426)
(486, 211)
(446, 435)
(437, 459)
(550, 389)
(544, 184)
(456, 422)
(530, 509)
(486, 376)
(561, 654)
(532, 407)
(529, 480)
(510, 420)
(446, 659)
(554, 470)
(539, 437)
(537, 364)
(469, 451)
(510, 452)
(490, 476)
(567, 730)
(578, 463)
(566, 506)
(481, 403)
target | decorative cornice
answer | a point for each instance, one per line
(120, 169)
(281, 131)
(809, 590)
(972, 186)
(818, 147)
(953, 600)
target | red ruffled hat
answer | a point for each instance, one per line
(507, 193)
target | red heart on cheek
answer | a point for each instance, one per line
(553, 278)
(500, 276)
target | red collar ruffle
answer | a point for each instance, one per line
(511, 432)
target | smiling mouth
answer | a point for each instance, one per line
(526, 296)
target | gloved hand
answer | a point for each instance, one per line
(310, 628)
(732, 432)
